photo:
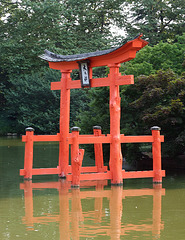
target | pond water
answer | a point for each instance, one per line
(47, 207)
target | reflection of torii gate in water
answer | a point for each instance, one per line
(111, 58)
(73, 217)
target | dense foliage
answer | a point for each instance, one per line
(29, 27)
(157, 19)
(157, 99)
(75, 26)
(161, 56)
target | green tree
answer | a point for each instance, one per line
(157, 99)
(30, 102)
(65, 27)
(27, 31)
(161, 56)
(156, 19)
(98, 112)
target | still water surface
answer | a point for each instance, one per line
(47, 207)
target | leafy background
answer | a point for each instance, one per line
(77, 26)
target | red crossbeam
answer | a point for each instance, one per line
(41, 171)
(46, 171)
(91, 169)
(96, 82)
(43, 138)
(92, 176)
(140, 174)
(91, 139)
(139, 139)
(125, 175)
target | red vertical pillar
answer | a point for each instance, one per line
(98, 150)
(76, 157)
(64, 124)
(115, 146)
(156, 150)
(28, 157)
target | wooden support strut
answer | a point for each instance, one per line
(76, 157)
(156, 150)
(98, 151)
(28, 157)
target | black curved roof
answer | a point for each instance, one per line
(53, 57)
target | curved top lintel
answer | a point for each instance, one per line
(116, 55)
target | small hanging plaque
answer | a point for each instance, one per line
(84, 73)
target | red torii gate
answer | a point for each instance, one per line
(111, 58)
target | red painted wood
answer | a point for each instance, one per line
(140, 174)
(24, 138)
(43, 138)
(115, 162)
(139, 139)
(64, 124)
(98, 151)
(46, 138)
(90, 139)
(56, 85)
(21, 172)
(28, 156)
(92, 169)
(156, 150)
(41, 171)
(97, 82)
(92, 176)
(125, 80)
(76, 158)
(45, 171)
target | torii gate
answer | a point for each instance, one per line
(111, 58)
